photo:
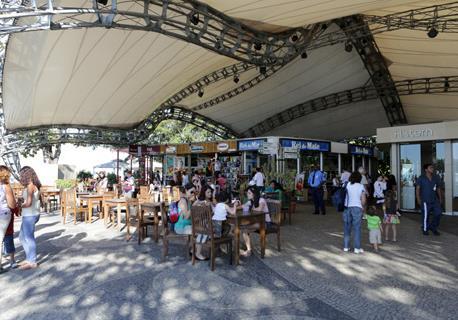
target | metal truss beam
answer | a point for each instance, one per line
(443, 18)
(20, 140)
(364, 43)
(188, 116)
(187, 20)
(436, 85)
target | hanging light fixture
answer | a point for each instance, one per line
(348, 46)
(194, 18)
(432, 33)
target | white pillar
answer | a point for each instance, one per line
(298, 162)
(353, 163)
(370, 165)
(321, 161)
(448, 176)
(339, 164)
(244, 163)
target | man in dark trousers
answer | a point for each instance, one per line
(316, 180)
(429, 198)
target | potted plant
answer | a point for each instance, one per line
(112, 180)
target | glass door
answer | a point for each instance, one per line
(455, 176)
(410, 171)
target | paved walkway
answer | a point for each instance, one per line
(88, 272)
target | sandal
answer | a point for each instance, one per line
(202, 259)
(246, 253)
(28, 266)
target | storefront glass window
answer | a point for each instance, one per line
(251, 162)
(360, 162)
(455, 175)
(308, 158)
(331, 164)
(410, 171)
(413, 158)
(346, 162)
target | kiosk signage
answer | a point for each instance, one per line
(360, 150)
(171, 149)
(196, 148)
(250, 145)
(222, 146)
(306, 145)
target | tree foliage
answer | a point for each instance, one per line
(174, 131)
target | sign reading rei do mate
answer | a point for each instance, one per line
(306, 144)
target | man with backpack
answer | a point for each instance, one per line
(316, 181)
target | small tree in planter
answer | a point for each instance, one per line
(112, 180)
(84, 175)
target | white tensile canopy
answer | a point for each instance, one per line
(116, 78)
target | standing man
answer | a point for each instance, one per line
(344, 177)
(258, 179)
(316, 181)
(429, 198)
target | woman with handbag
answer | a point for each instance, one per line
(7, 202)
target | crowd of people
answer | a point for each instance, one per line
(376, 202)
(222, 203)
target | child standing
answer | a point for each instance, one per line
(374, 224)
(391, 214)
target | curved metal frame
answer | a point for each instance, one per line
(404, 87)
(186, 20)
(211, 30)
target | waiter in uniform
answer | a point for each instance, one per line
(316, 180)
(429, 198)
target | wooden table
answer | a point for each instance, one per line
(91, 198)
(155, 208)
(244, 219)
(119, 203)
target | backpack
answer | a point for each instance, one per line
(173, 212)
(339, 197)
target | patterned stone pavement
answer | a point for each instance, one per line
(89, 272)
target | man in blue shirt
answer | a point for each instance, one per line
(429, 198)
(316, 180)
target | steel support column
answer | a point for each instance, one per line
(363, 41)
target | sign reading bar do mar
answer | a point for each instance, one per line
(306, 144)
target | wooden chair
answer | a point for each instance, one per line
(175, 194)
(71, 204)
(288, 206)
(166, 195)
(106, 196)
(275, 216)
(168, 235)
(144, 190)
(145, 219)
(202, 223)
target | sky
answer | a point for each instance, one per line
(82, 158)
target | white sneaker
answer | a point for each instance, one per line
(346, 249)
(358, 251)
